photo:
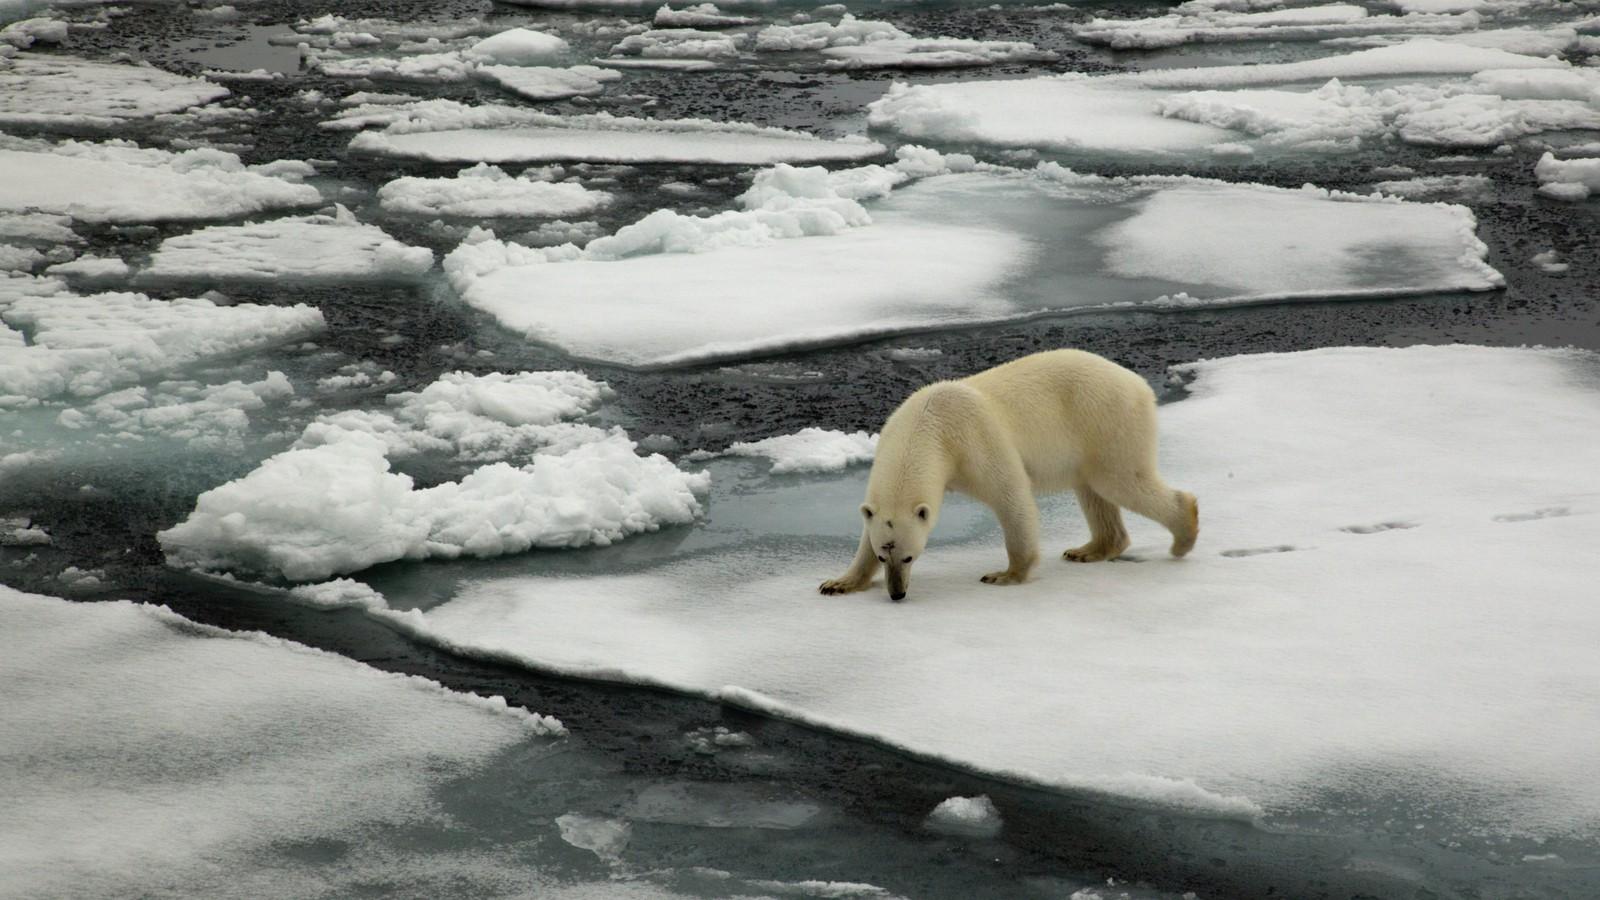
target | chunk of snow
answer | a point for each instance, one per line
(85, 345)
(311, 247)
(1567, 179)
(64, 90)
(810, 450)
(331, 505)
(519, 47)
(972, 816)
(208, 785)
(1372, 655)
(546, 83)
(138, 185)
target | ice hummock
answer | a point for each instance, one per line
(331, 504)
(216, 754)
(951, 251)
(1389, 615)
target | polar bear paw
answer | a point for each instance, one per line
(841, 586)
(1004, 577)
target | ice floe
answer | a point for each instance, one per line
(680, 43)
(1567, 179)
(810, 450)
(67, 91)
(319, 247)
(1300, 23)
(133, 184)
(331, 504)
(485, 191)
(85, 345)
(862, 43)
(952, 251)
(519, 47)
(698, 15)
(1390, 609)
(446, 131)
(1196, 111)
(547, 83)
(217, 751)
(212, 417)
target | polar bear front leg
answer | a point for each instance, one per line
(1019, 519)
(859, 576)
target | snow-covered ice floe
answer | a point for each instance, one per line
(806, 262)
(331, 504)
(1193, 23)
(853, 43)
(1568, 179)
(84, 345)
(134, 184)
(218, 750)
(810, 450)
(1464, 96)
(319, 247)
(64, 90)
(550, 83)
(1390, 609)
(446, 131)
(485, 191)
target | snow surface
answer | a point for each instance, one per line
(810, 450)
(134, 184)
(64, 90)
(1190, 111)
(445, 131)
(937, 254)
(331, 504)
(319, 247)
(485, 191)
(1391, 601)
(85, 345)
(209, 751)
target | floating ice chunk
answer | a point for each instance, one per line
(519, 47)
(1549, 261)
(1139, 113)
(331, 505)
(312, 247)
(699, 15)
(933, 53)
(42, 228)
(138, 185)
(545, 83)
(914, 354)
(849, 31)
(92, 269)
(1436, 7)
(434, 67)
(1305, 23)
(85, 345)
(211, 417)
(340, 593)
(443, 131)
(65, 90)
(1569, 179)
(208, 784)
(1436, 185)
(680, 43)
(19, 259)
(26, 32)
(22, 532)
(810, 450)
(675, 65)
(971, 816)
(935, 254)
(605, 838)
(1240, 666)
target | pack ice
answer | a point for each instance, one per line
(214, 751)
(331, 504)
(1389, 619)
(805, 262)
(1462, 96)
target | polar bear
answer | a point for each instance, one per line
(1053, 421)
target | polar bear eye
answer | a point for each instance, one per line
(882, 559)
(906, 560)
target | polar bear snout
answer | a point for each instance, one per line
(899, 576)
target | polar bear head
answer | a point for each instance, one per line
(898, 534)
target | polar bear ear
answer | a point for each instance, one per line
(867, 511)
(923, 511)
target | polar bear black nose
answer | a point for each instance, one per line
(898, 597)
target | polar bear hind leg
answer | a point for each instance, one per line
(1107, 537)
(1145, 493)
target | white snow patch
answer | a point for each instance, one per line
(810, 450)
(860, 43)
(319, 247)
(680, 43)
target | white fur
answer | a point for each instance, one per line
(1055, 421)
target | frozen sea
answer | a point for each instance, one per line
(423, 427)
